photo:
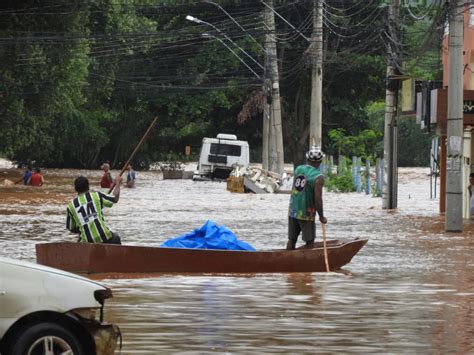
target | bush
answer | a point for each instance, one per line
(340, 183)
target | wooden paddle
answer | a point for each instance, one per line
(135, 150)
(323, 226)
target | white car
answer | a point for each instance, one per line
(48, 311)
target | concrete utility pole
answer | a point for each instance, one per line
(268, 143)
(390, 154)
(267, 131)
(266, 120)
(276, 154)
(454, 222)
(315, 125)
(267, 110)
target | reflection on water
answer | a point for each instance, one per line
(409, 290)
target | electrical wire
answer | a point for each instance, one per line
(352, 29)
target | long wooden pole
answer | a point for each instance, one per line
(135, 150)
(323, 226)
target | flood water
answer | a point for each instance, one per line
(409, 290)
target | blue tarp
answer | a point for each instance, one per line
(209, 236)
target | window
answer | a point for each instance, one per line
(226, 149)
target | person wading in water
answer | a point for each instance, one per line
(85, 215)
(131, 177)
(471, 194)
(106, 181)
(36, 179)
(25, 178)
(306, 199)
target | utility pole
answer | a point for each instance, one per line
(266, 119)
(276, 154)
(390, 154)
(267, 131)
(315, 125)
(267, 111)
(453, 221)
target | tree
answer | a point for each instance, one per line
(80, 82)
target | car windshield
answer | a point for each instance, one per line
(226, 149)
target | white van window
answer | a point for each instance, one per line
(226, 149)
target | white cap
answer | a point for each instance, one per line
(315, 154)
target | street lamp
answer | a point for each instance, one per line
(193, 19)
(196, 20)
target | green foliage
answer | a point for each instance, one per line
(423, 61)
(45, 92)
(414, 145)
(342, 142)
(362, 145)
(340, 183)
(82, 86)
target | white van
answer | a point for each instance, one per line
(219, 155)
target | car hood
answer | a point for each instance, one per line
(47, 269)
(27, 288)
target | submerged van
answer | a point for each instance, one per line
(219, 155)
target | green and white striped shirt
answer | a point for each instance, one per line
(84, 214)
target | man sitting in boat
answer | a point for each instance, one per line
(306, 199)
(85, 215)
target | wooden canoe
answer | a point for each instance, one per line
(107, 258)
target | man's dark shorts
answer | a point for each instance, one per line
(114, 240)
(307, 228)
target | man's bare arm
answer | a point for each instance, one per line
(318, 197)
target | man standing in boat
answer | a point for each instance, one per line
(85, 215)
(306, 199)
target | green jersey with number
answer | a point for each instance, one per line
(84, 213)
(302, 202)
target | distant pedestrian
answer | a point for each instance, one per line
(106, 181)
(306, 199)
(36, 179)
(25, 176)
(471, 193)
(131, 176)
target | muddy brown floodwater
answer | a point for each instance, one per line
(409, 290)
